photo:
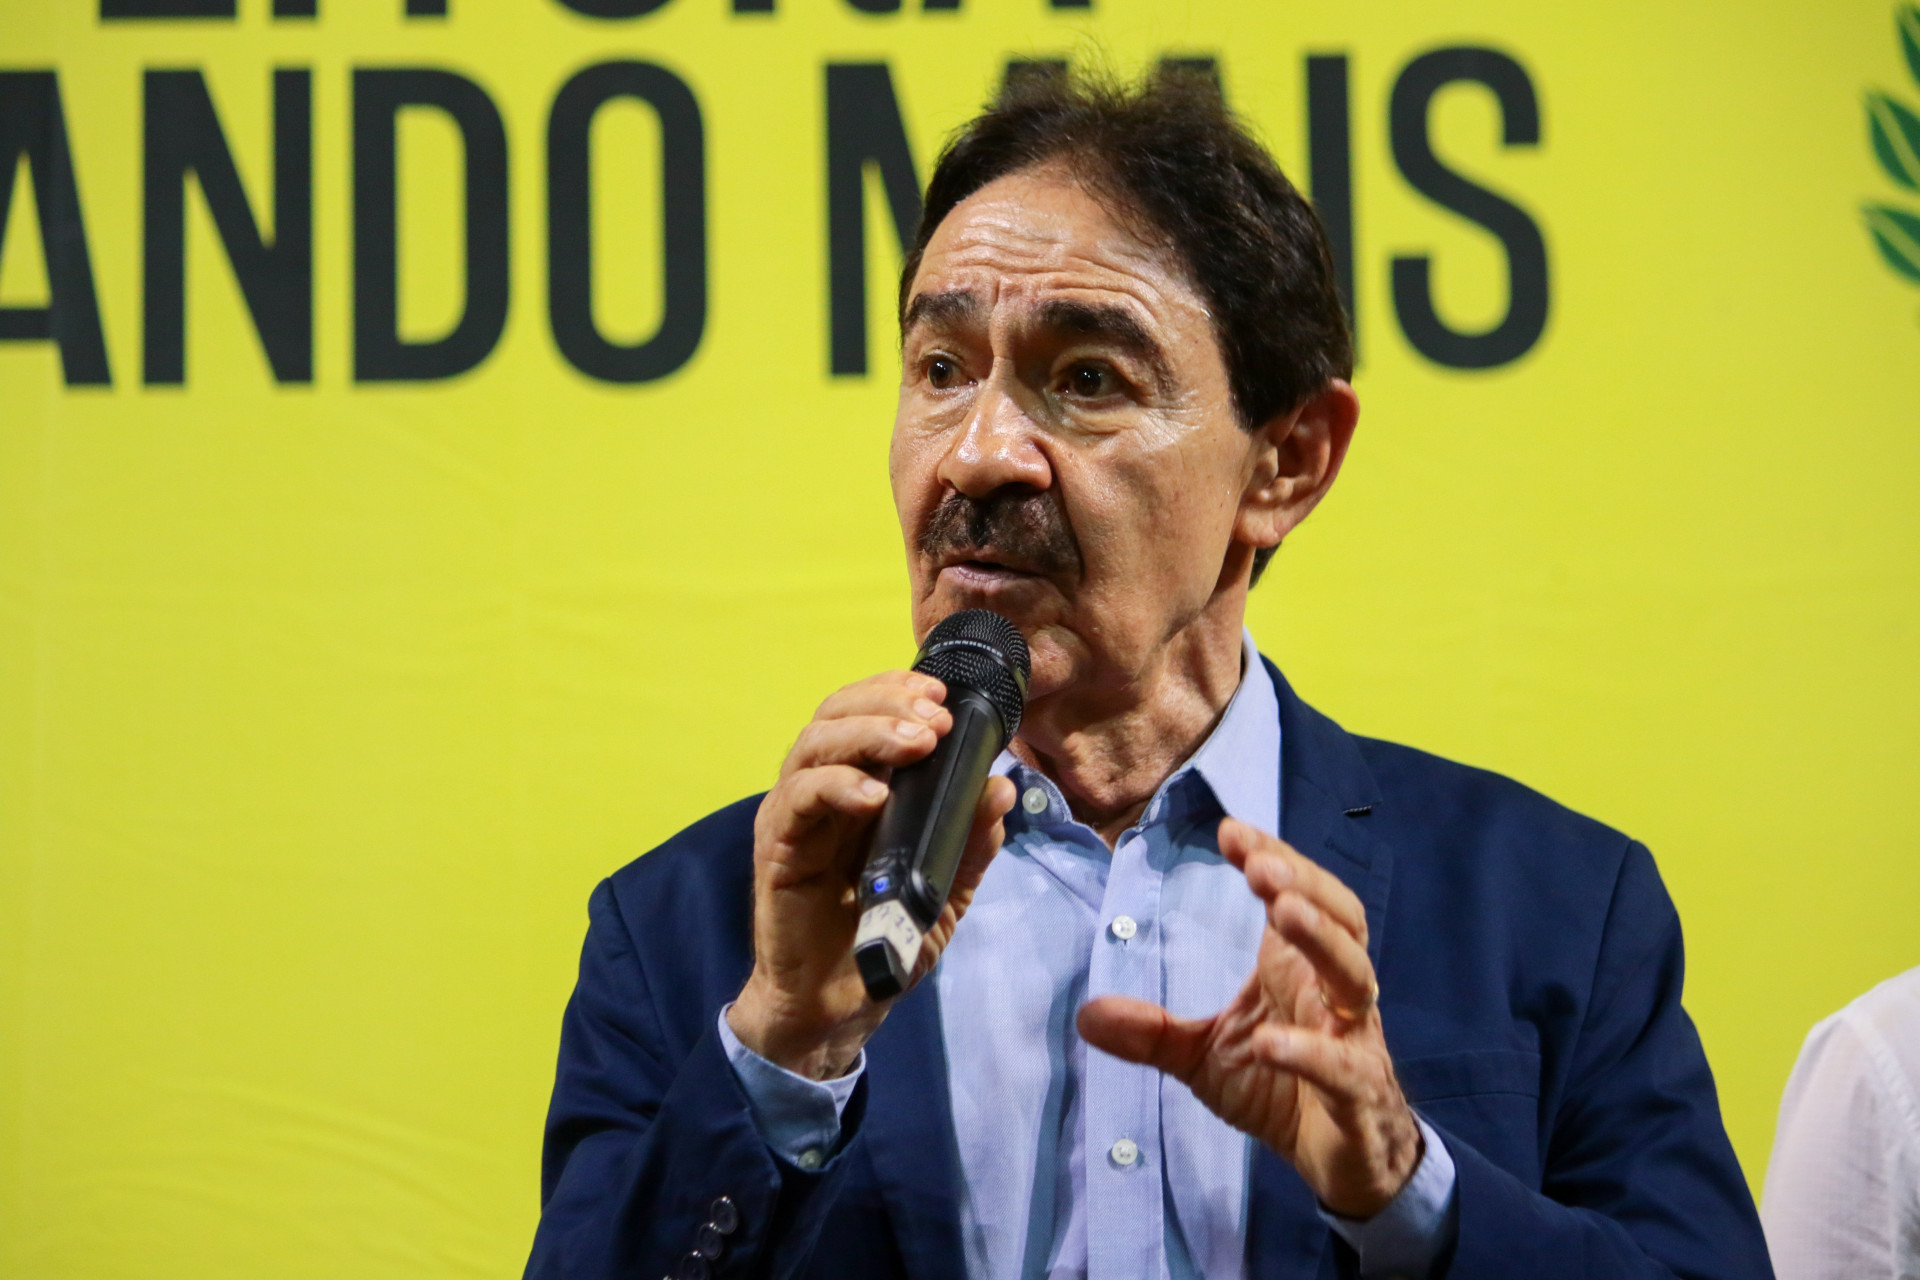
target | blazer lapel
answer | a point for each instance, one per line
(1326, 795)
(908, 1129)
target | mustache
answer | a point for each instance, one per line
(1026, 526)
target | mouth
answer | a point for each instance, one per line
(984, 575)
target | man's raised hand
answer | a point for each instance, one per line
(1298, 1059)
(804, 1006)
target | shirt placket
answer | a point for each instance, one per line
(1121, 1108)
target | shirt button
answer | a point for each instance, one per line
(1124, 927)
(1124, 1152)
(809, 1159)
(1035, 801)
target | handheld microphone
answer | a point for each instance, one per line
(922, 830)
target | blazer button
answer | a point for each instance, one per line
(692, 1267)
(724, 1216)
(709, 1242)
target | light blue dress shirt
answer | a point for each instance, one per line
(1074, 1163)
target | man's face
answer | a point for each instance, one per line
(1066, 451)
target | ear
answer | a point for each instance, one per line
(1296, 457)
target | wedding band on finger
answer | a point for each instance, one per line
(1352, 1015)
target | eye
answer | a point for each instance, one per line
(1092, 381)
(942, 373)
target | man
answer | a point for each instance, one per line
(1221, 990)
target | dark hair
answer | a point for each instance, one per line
(1170, 156)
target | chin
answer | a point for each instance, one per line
(1053, 667)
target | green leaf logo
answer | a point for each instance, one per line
(1909, 22)
(1896, 139)
(1894, 128)
(1897, 234)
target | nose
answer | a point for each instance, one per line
(997, 444)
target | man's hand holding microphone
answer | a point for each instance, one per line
(806, 1005)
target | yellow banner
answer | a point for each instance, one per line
(442, 453)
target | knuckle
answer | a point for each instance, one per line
(809, 739)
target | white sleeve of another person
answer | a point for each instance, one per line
(1842, 1195)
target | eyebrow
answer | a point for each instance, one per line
(942, 310)
(1111, 324)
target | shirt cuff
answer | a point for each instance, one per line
(797, 1117)
(1407, 1237)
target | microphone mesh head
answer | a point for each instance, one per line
(981, 650)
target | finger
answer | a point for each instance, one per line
(891, 693)
(1135, 1031)
(1272, 866)
(1339, 962)
(861, 741)
(812, 796)
(1351, 1073)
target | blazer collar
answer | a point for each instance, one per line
(1327, 796)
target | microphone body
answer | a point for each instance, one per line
(922, 830)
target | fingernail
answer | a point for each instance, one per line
(924, 709)
(873, 788)
(908, 730)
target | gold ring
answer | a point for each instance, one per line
(1352, 1015)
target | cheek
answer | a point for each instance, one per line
(910, 470)
(1160, 516)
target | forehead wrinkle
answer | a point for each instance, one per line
(1058, 262)
(1004, 233)
(1069, 297)
(1010, 262)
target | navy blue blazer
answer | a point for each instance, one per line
(1529, 962)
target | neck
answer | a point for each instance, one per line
(1110, 740)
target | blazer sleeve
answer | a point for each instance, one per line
(1640, 1180)
(642, 1149)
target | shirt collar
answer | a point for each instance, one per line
(1239, 761)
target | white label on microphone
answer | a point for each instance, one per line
(889, 920)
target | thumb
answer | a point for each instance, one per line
(1135, 1031)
